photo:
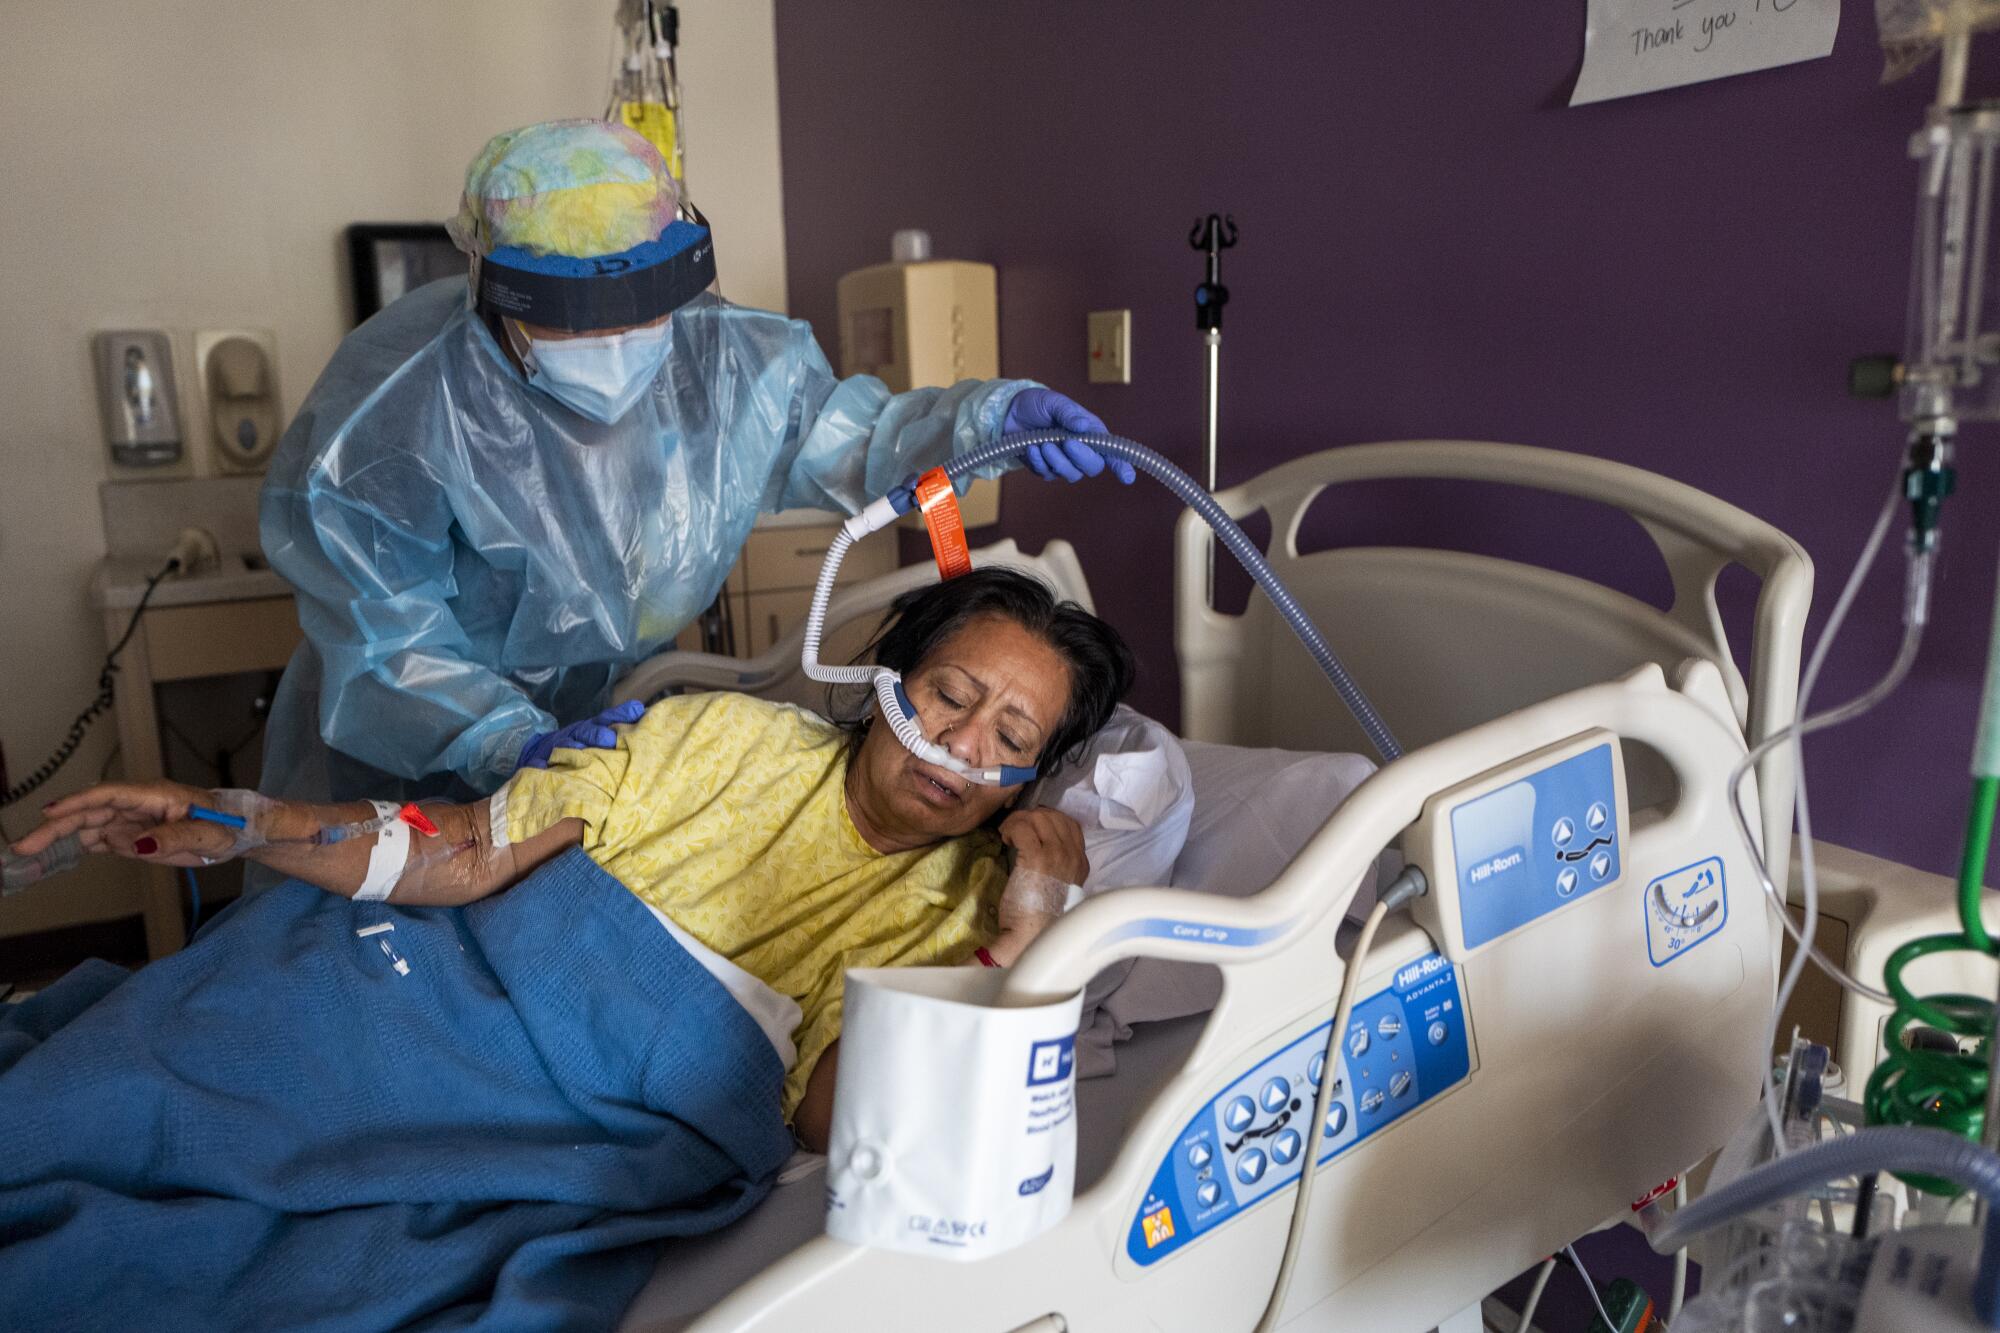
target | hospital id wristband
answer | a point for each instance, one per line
(386, 858)
(986, 959)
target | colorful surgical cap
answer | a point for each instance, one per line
(580, 188)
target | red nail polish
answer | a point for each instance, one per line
(146, 846)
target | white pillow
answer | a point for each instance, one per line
(1253, 811)
(1132, 792)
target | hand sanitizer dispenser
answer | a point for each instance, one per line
(239, 378)
(136, 398)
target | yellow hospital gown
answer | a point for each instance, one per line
(728, 814)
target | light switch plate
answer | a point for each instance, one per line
(1110, 346)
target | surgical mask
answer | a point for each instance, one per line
(600, 377)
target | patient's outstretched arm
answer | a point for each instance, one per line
(332, 846)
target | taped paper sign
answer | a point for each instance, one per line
(1642, 46)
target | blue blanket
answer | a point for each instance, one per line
(477, 1118)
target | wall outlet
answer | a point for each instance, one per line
(1110, 333)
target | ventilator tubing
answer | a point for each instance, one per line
(1895, 1148)
(1190, 493)
(886, 510)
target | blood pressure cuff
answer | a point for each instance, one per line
(633, 287)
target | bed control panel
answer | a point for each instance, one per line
(1403, 1045)
(1529, 839)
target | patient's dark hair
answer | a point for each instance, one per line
(1100, 665)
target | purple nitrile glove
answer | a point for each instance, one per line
(591, 734)
(1071, 460)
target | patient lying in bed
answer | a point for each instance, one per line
(780, 848)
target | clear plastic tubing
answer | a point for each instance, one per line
(326, 837)
(1189, 492)
(17, 872)
(1930, 1152)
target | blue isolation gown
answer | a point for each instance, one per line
(476, 563)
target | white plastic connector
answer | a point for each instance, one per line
(877, 516)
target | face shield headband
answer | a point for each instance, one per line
(634, 287)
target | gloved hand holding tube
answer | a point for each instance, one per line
(1049, 862)
(1072, 460)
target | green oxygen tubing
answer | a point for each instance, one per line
(1927, 1080)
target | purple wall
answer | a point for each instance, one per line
(1433, 246)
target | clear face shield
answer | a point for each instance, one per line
(594, 333)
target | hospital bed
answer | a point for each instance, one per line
(1530, 1058)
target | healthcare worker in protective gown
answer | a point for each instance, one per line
(496, 501)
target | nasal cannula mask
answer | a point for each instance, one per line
(888, 684)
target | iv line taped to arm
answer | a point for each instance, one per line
(405, 839)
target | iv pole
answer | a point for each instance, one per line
(646, 98)
(1212, 234)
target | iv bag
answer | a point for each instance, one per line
(654, 123)
(1911, 29)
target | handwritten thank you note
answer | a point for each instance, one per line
(1642, 46)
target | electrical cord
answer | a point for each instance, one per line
(1793, 735)
(1534, 1301)
(1310, 1171)
(1864, 1202)
(1905, 658)
(1680, 1290)
(1404, 889)
(1591, 1286)
(1916, 593)
(107, 692)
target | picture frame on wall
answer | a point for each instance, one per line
(388, 260)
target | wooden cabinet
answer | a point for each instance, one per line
(771, 586)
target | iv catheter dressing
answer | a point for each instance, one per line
(887, 684)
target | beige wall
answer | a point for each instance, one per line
(190, 164)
